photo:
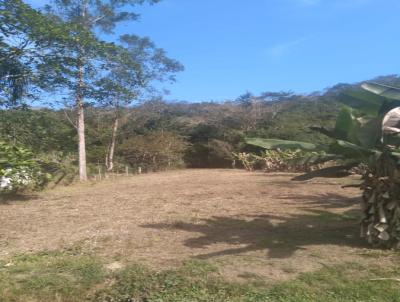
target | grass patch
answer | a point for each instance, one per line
(195, 281)
(350, 283)
(329, 216)
(70, 277)
(49, 277)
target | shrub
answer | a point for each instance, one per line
(279, 160)
(158, 150)
(19, 170)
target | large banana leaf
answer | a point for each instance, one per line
(390, 95)
(364, 101)
(315, 159)
(383, 90)
(365, 131)
(370, 131)
(347, 126)
(272, 144)
(351, 151)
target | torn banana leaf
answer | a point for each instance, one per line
(273, 144)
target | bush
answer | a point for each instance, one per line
(19, 170)
(279, 160)
(155, 151)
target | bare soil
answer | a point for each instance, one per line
(250, 225)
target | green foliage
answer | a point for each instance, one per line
(357, 130)
(351, 151)
(363, 101)
(27, 37)
(290, 160)
(346, 125)
(292, 120)
(349, 282)
(274, 144)
(154, 151)
(62, 167)
(212, 130)
(71, 277)
(19, 170)
(364, 132)
(197, 282)
(49, 277)
(43, 131)
(386, 91)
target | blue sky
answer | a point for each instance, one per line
(229, 47)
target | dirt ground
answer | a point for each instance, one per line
(250, 225)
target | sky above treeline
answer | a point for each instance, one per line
(230, 47)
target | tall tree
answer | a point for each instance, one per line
(132, 71)
(26, 40)
(89, 17)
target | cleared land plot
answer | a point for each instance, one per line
(248, 224)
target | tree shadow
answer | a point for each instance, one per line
(326, 200)
(6, 199)
(279, 235)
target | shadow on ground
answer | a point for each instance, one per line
(327, 201)
(6, 199)
(279, 235)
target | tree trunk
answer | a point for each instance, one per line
(110, 153)
(81, 128)
(79, 104)
(380, 204)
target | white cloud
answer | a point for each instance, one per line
(281, 49)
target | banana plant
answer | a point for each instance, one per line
(368, 131)
(274, 144)
(368, 124)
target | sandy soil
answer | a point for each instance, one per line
(248, 224)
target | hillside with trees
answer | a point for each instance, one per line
(156, 134)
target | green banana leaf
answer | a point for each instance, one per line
(364, 101)
(351, 151)
(370, 131)
(386, 91)
(391, 95)
(365, 131)
(347, 126)
(316, 159)
(272, 144)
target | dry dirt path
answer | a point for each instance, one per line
(246, 223)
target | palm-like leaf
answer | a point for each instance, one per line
(346, 126)
(364, 101)
(386, 91)
(351, 151)
(273, 144)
